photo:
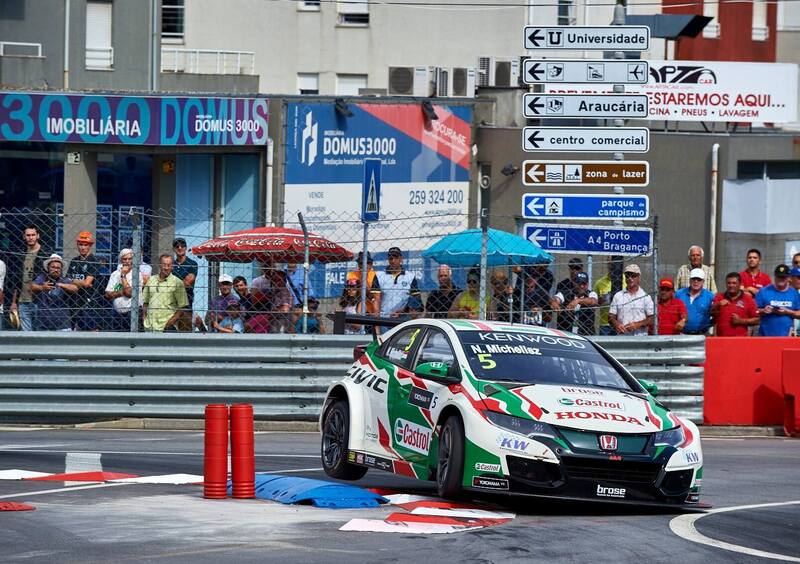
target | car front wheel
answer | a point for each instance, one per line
(335, 440)
(450, 467)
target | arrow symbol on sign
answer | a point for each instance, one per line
(535, 71)
(536, 238)
(534, 106)
(535, 37)
(534, 139)
(534, 173)
(534, 206)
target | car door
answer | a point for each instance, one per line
(413, 403)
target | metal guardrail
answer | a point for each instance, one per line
(107, 375)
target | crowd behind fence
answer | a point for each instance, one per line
(90, 285)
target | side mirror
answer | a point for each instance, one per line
(651, 387)
(434, 370)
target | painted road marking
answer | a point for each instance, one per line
(683, 526)
(58, 490)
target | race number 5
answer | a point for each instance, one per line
(486, 361)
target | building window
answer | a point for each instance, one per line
(776, 170)
(307, 83)
(99, 52)
(711, 9)
(172, 21)
(566, 12)
(350, 84)
(760, 27)
(308, 6)
(355, 13)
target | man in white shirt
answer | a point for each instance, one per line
(120, 290)
(631, 311)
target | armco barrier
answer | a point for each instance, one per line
(743, 380)
(105, 375)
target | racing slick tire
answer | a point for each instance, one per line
(335, 440)
(450, 458)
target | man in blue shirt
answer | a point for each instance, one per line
(778, 304)
(698, 303)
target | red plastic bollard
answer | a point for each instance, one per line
(243, 460)
(215, 463)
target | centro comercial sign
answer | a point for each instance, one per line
(132, 120)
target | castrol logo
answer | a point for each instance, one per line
(412, 436)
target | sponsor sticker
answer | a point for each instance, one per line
(359, 458)
(484, 467)
(514, 444)
(692, 457)
(597, 415)
(376, 462)
(610, 492)
(587, 391)
(420, 398)
(412, 436)
(366, 378)
(351, 456)
(489, 483)
(587, 402)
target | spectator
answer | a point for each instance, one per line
(399, 294)
(534, 303)
(671, 311)
(794, 273)
(218, 308)
(698, 303)
(84, 271)
(2, 293)
(576, 306)
(796, 260)
(502, 298)
(295, 280)
(280, 305)
(185, 269)
(568, 284)
(164, 296)
(26, 268)
(778, 305)
(350, 303)
(120, 290)
(231, 322)
(263, 284)
(440, 300)
(52, 295)
(605, 288)
(631, 310)
(373, 287)
(467, 303)
(734, 310)
(696, 254)
(752, 277)
(313, 322)
(245, 297)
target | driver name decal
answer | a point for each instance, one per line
(505, 349)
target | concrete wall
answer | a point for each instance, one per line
(216, 83)
(34, 21)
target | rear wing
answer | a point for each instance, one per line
(341, 319)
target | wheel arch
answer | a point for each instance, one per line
(335, 392)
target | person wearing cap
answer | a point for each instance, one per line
(119, 290)
(440, 300)
(373, 287)
(682, 279)
(605, 288)
(631, 310)
(733, 310)
(671, 311)
(163, 298)
(26, 266)
(568, 284)
(399, 293)
(350, 303)
(84, 271)
(698, 303)
(184, 268)
(576, 306)
(753, 279)
(778, 305)
(218, 307)
(52, 296)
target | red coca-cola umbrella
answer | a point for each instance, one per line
(270, 244)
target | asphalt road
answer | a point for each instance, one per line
(173, 523)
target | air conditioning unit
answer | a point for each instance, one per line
(443, 82)
(463, 82)
(498, 71)
(412, 81)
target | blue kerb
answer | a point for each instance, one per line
(332, 495)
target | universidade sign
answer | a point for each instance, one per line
(585, 37)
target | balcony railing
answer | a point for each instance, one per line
(19, 49)
(99, 58)
(208, 61)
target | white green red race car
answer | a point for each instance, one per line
(507, 408)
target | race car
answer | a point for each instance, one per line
(507, 408)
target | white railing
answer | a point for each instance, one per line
(760, 33)
(99, 57)
(5, 44)
(207, 61)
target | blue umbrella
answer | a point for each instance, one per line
(464, 249)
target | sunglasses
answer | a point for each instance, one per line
(472, 280)
(631, 275)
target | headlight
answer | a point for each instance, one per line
(522, 426)
(671, 437)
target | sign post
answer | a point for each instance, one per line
(370, 212)
(581, 106)
(581, 71)
(585, 206)
(586, 139)
(585, 173)
(590, 239)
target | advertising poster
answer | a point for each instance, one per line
(425, 166)
(710, 91)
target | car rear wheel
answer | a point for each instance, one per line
(335, 439)
(450, 466)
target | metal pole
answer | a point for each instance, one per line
(305, 272)
(66, 43)
(655, 273)
(364, 270)
(137, 253)
(484, 247)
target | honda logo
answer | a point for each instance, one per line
(608, 442)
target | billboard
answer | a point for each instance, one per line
(711, 91)
(425, 166)
(132, 120)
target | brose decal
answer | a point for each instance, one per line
(489, 483)
(412, 436)
(484, 467)
(610, 492)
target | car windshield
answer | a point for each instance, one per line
(532, 358)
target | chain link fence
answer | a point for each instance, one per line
(93, 287)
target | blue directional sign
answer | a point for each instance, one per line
(585, 206)
(590, 239)
(371, 191)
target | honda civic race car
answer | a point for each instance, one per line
(507, 408)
